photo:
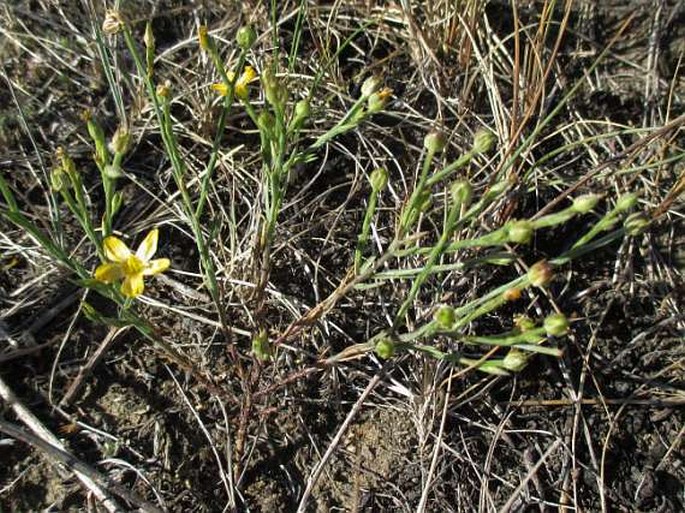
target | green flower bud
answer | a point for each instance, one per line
(583, 204)
(497, 189)
(261, 346)
(435, 141)
(540, 274)
(524, 323)
(379, 179)
(149, 37)
(371, 85)
(98, 136)
(245, 37)
(273, 89)
(556, 325)
(113, 172)
(461, 192)
(483, 141)
(636, 223)
(385, 348)
(515, 360)
(266, 123)
(520, 232)
(59, 180)
(67, 164)
(626, 202)
(423, 201)
(445, 317)
(302, 109)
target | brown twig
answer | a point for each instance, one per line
(84, 472)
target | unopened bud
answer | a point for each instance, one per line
(120, 140)
(524, 323)
(371, 85)
(302, 112)
(583, 204)
(260, 346)
(445, 317)
(520, 232)
(385, 348)
(626, 202)
(635, 223)
(483, 141)
(273, 89)
(266, 122)
(98, 136)
(245, 37)
(435, 141)
(461, 192)
(515, 360)
(59, 179)
(67, 164)
(113, 172)
(556, 325)
(540, 274)
(379, 179)
(149, 37)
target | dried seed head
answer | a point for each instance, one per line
(435, 141)
(120, 140)
(113, 22)
(540, 274)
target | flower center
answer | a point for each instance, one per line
(133, 265)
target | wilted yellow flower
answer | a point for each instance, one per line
(377, 100)
(128, 266)
(241, 90)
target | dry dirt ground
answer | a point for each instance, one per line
(598, 429)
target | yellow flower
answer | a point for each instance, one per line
(129, 266)
(241, 90)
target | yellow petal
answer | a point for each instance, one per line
(108, 273)
(222, 89)
(249, 74)
(241, 91)
(148, 247)
(115, 249)
(157, 266)
(133, 285)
